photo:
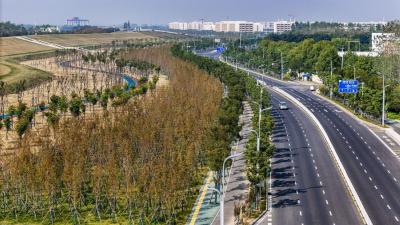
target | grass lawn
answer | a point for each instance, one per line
(12, 72)
(393, 116)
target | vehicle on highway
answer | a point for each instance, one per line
(312, 88)
(283, 106)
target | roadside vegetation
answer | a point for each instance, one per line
(128, 155)
(316, 57)
(241, 87)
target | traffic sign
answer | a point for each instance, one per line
(348, 86)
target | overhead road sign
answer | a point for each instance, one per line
(220, 49)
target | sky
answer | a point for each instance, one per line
(115, 12)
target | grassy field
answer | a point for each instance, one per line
(89, 39)
(13, 46)
(11, 72)
(10, 47)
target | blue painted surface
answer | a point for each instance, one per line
(3, 116)
(131, 82)
(220, 49)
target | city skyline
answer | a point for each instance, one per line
(158, 12)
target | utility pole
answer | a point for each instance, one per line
(281, 66)
(259, 119)
(240, 39)
(383, 99)
(331, 83)
(341, 66)
(362, 88)
(263, 50)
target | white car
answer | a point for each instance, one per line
(312, 88)
(283, 106)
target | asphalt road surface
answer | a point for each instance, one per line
(372, 168)
(306, 187)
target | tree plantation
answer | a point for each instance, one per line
(121, 135)
(134, 163)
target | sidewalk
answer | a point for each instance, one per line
(207, 205)
(206, 208)
(236, 189)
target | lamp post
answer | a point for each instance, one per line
(383, 97)
(281, 66)
(331, 89)
(222, 192)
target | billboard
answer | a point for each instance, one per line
(348, 86)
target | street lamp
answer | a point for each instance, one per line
(331, 85)
(222, 192)
(383, 97)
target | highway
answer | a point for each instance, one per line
(372, 168)
(306, 187)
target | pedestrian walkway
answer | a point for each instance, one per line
(207, 204)
(206, 208)
(237, 185)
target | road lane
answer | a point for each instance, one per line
(310, 190)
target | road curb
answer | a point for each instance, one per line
(342, 171)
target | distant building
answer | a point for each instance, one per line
(282, 26)
(268, 27)
(195, 25)
(50, 29)
(234, 26)
(238, 26)
(208, 26)
(77, 22)
(178, 26)
(379, 40)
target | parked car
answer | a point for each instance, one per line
(312, 88)
(283, 106)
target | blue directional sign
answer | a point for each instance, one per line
(220, 49)
(348, 86)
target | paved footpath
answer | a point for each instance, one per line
(206, 208)
(237, 184)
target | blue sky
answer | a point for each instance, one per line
(110, 12)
